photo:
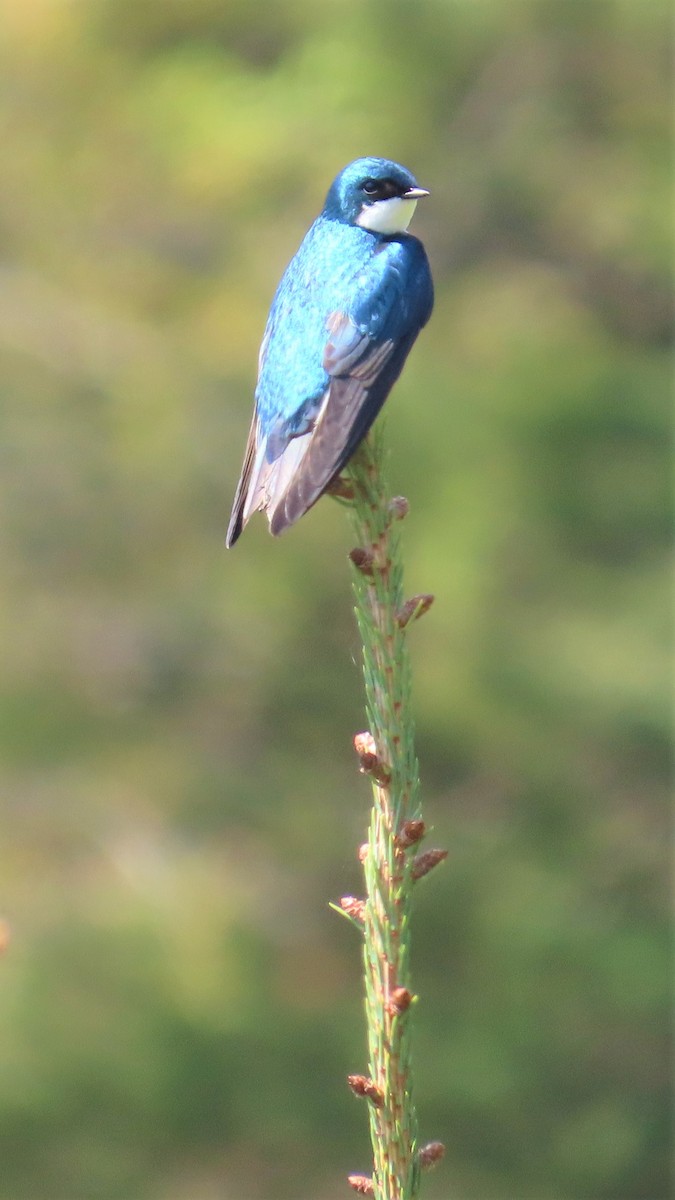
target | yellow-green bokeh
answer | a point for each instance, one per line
(178, 1006)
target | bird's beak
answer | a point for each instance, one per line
(415, 193)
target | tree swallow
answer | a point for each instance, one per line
(345, 315)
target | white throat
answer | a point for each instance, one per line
(387, 216)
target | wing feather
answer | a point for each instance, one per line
(351, 405)
(324, 454)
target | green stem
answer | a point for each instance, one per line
(388, 861)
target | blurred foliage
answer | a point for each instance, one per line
(179, 1008)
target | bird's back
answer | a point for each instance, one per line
(318, 280)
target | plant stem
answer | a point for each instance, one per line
(389, 757)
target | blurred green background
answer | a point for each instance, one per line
(178, 1006)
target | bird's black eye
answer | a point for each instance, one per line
(381, 189)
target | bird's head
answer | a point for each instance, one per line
(376, 194)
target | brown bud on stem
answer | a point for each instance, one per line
(399, 1001)
(410, 833)
(369, 760)
(362, 1184)
(414, 608)
(430, 1154)
(361, 1085)
(398, 507)
(424, 863)
(362, 559)
(353, 907)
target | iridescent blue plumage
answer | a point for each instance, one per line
(347, 310)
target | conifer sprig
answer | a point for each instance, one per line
(387, 754)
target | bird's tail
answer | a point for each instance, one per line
(239, 515)
(263, 484)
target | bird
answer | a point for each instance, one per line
(346, 312)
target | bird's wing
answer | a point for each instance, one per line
(342, 421)
(366, 347)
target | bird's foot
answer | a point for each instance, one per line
(341, 487)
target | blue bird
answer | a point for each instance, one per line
(345, 315)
